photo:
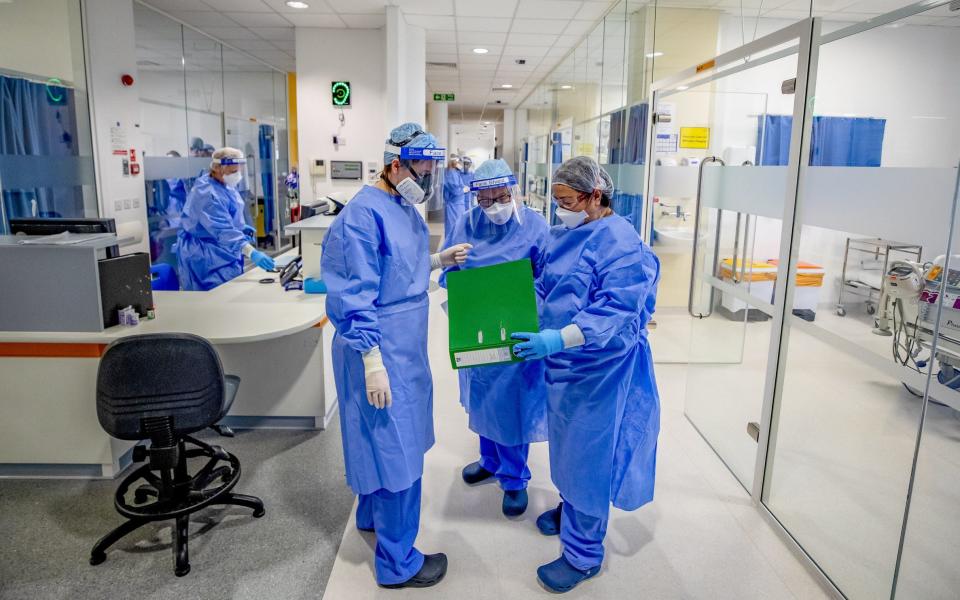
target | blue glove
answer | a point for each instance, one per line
(250, 232)
(537, 345)
(314, 286)
(262, 260)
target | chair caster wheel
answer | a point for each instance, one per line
(97, 558)
(259, 513)
(182, 572)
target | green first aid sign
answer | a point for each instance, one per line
(444, 97)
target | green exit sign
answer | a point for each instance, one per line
(444, 97)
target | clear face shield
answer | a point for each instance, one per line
(422, 171)
(498, 199)
(232, 170)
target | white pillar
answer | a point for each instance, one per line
(396, 66)
(437, 122)
(508, 138)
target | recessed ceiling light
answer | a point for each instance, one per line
(506, 85)
(566, 87)
(486, 122)
(683, 87)
(297, 4)
(480, 51)
(654, 54)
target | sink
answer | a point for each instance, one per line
(674, 238)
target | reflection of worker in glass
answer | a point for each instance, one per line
(176, 197)
(197, 146)
(214, 237)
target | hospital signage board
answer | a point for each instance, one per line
(695, 137)
(444, 97)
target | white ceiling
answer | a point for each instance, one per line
(541, 32)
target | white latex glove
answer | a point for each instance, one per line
(378, 383)
(454, 255)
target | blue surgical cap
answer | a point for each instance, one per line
(493, 169)
(583, 174)
(408, 135)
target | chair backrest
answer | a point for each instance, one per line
(143, 377)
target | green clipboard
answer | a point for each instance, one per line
(485, 306)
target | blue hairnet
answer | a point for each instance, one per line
(492, 169)
(409, 135)
(583, 174)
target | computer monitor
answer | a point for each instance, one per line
(33, 226)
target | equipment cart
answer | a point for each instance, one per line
(880, 250)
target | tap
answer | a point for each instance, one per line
(674, 210)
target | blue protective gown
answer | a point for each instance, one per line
(376, 265)
(603, 407)
(454, 202)
(211, 239)
(506, 403)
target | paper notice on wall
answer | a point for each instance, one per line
(118, 140)
(666, 143)
(695, 137)
(668, 124)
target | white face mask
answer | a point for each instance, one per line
(499, 213)
(232, 179)
(410, 191)
(570, 219)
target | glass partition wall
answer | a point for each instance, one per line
(46, 149)
(796, 171)
(198, 95)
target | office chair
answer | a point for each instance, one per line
(161, 388)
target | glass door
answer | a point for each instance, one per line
(862, 462)
(718, 207)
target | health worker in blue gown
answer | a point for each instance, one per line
(376, 265)
(455, 197)
(213, 236)
(598, 292)
(466, 175)
(506, 403)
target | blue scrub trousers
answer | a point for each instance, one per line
(507, 463)
(582, 537)
(395, 516)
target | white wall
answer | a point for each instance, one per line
(360, 60)
(21, 25)
(112, 52)
(473, 141)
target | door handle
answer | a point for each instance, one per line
(696, 238)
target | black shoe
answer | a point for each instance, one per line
(433, 569)
(474, 473)
(514, 502)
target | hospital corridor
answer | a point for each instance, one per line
(451, 299)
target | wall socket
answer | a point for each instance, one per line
(126, 204)
(118, 205)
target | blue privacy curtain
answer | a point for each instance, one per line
(836, 141)
(635, 149)
(266, 175)
(37, 119)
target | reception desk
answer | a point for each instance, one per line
(277, 342)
